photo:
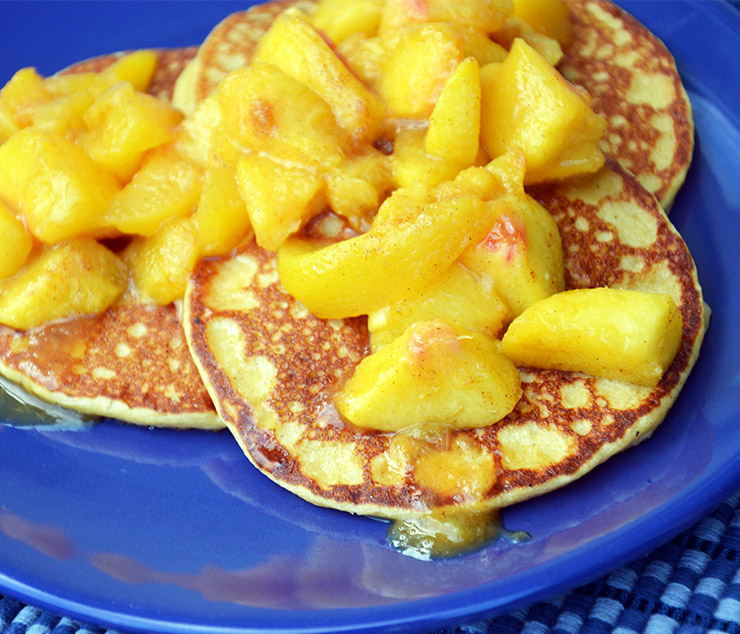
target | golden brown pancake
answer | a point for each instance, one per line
(634, 82)
(131, 362)
(627, 70)
(271, 367)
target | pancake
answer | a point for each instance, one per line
(271, 367)
(634, 82)
(132, 362)
(630, 74)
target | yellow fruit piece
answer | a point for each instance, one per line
(454, 125)
(483, 48)
(549, 48)
(503, 175)
(433, 374)
(364, 55)
(613, 333)
(15, 242)
(24, 91)
(526, 103)
(402, 254)
(57, 188)
(8, 124)
(136, 68)
(339, 19)
(459, 298)
(167, 186)
(75, 277)
(161, 264)
(123, 124)
(522, 252)
(265, 110)
(356, 189)
(418, 67)
(63, 115)
(480, 15)
(546, 16)
(412, 165)
(65, 84)
(221, 218)
(280, 199)
(299, 50)
(201, 135)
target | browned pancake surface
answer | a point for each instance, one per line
(271, 367)
(634, 82)
(132, 362)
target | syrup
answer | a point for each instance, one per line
(18, 408)
(438, 535)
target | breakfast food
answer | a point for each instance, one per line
(630, 75)
(353, 355)
(414, 285)
(129, 361)
(269, 364)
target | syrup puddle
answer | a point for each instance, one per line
(18, 408)
(440, 536)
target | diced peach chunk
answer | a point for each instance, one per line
(522, 252)
(527, 103)
(608, 332)
(60, 191)
(24, 91)
(167, 186)
(454, 125)
(413, 165)
(481, 15)
(123, 124)
(280, 198)
(433, 374)
(63, 115)
(460, 298)
(136, 68)
(339, 19)
(161, 264)
(546, 16)
(15, 242)
(299, 50)
(76, 277)
(268, 111)
(221, 217)
(411, 249)
(358, 186)
(418, 67)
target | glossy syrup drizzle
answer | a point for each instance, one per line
(438, 535)
(18, 408)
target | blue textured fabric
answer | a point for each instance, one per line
(689, 586)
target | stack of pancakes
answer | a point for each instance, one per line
(243, 353)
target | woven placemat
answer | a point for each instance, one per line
(690, 585)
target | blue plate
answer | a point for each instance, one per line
(152, 530)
